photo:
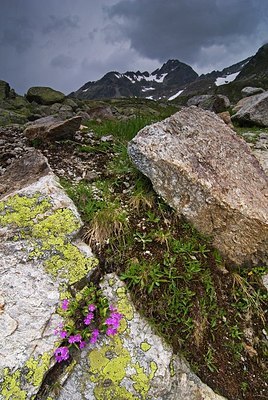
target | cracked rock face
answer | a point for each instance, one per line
(209, 175)
(37, 221)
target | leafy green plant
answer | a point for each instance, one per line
(145, 274)
(235, 332)
(143, 238)
(209, 360)
(192, 267)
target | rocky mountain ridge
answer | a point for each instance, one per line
(178, 80)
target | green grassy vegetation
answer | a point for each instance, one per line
(252, 134)
(212, 313)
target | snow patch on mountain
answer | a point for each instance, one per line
(146, 89)
(175, 95)
(226, 79)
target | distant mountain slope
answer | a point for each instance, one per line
(171, 76)
(257, 67)
(254, 73)
(177, 80)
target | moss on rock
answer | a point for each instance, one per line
(44, 95)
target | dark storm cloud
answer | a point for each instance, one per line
(18, 33)
(56, 24)
(65, 43)
(173, 28)
(63, 61)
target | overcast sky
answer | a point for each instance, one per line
(66, 43)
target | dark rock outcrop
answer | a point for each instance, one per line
(216, 103)
(4, 90)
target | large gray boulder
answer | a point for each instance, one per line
(250, 91)
(38, 223)
(252, 110)
(217, 103)
(44, 95)
(209, 175)
(52, 128)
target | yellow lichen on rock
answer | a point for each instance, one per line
(10, 387)
(108, 367)
(124, 305)
(48, 232)
(22, 211)
(37, 368)
(142, 380)
(145, 346)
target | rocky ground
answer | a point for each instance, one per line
(93, 159)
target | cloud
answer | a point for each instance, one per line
(63, 61)
(181, 29)
(59, 24)
(18, 34)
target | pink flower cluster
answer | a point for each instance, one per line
(113, 322)
(90, 316)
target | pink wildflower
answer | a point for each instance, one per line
(75, 338)
(82, 344)
(111, 331)
(65, 304)
(61, 354)
(91, 307)
(94, 336)
(89, 318)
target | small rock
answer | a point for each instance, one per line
(108, 138)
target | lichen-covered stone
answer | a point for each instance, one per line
(134, 365)
(39, 257)
(44, 95)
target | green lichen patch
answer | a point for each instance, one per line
(22, 211)
(70, 263)
(48, 232)
(37, 368)
(124, 305)
(108, 366)
(145, 346)
(142, 380)
(11, 386)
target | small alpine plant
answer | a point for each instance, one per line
(84, 320)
